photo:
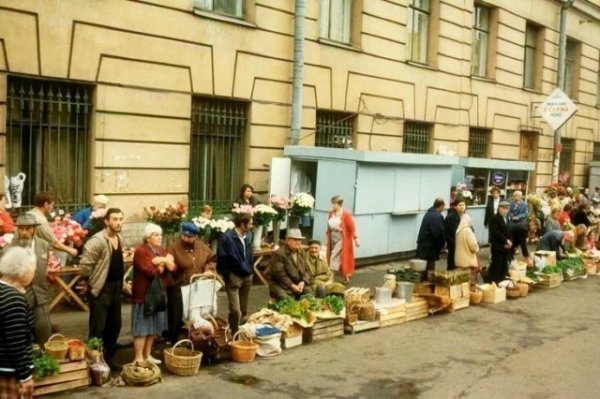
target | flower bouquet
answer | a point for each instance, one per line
(263, 214)
(67, 231)
(463, 194)
(301, 204)
(281, 205)
(203, 224)
(168, 218)
(219, 226)
(6, 239)
(237, 208)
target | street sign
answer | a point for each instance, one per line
(557, 109)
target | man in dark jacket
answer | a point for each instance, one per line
(234, 262)
(501, 244)
(431, 234)
(287, 271)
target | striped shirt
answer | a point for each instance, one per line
(16, 338)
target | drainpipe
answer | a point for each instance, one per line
(298, 81)
(562, 55)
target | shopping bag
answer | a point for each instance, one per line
(156, 298)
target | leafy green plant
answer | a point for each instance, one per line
(94, 343)
(44, 366)
(334, 303)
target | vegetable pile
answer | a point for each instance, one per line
(44, 366)
(301, 309)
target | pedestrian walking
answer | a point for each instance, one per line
(341, 239)
(431, 238)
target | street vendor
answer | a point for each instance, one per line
(191, 256)
(555, 241)
(320, 276)
(286, 273)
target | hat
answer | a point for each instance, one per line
(25, 220)
(189, 229)
(101, 199)
(504, 204)
(296, 234)
(152, 228)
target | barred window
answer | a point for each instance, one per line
(531, 65)
(233, 8)
(596, 153)
(336, 19)
(334, 129)
(419, 13)
(572, 63)
(478, 142)
(217, 151)
(566, 155)
(417, 137)
(481, 34)
(48, 139)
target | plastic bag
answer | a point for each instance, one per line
(268, 345)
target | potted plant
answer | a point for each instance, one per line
(94, 347)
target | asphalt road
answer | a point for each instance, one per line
(540, 347)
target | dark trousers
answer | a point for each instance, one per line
(174, 312)
(105, 316)
(451, 252)
(498, 269)
(238, 290)
(519, 235)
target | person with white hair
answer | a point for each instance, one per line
(102, 262)
(150, 260)
(17, 268)
(84, 215)
(465, 255)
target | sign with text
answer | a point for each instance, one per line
(557, 109)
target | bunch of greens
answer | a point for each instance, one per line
(44, 366)
(94, 343)
(551, 270)
(301, 309)
(291, 307)
(334, 303)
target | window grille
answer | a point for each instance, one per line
(481, 33)
(566, 155)
(596, 153)
(233, 8)
(217, 152)
(418, 30)
(335, 18)
(334, 129)
(478, 143)
(529, 69)
(48, 139)
(416, 137)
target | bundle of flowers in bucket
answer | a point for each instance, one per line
(302, 203)
(261, 216)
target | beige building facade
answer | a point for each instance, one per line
(165, 100)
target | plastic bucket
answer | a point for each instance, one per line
(404, 290)
(418, 265)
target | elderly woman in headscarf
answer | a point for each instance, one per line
(467, 247)
(149, 260)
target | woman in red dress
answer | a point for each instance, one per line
(341, 238)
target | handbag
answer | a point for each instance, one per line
(156, 298)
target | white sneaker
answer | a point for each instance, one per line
(152, 359)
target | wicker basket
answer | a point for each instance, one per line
(513, 292)
(475, 297)
(76, 349)
(523, 288)
(183, 361)
(243, 351)
(57, 347)
(367, 311)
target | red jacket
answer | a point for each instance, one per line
(348, 236)
(144, 271)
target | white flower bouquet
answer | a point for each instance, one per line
(301, 203)
(263, 214)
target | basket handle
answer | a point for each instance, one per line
(57, 335)
(236, 335)
(185, 341)
(211, 319)
(199, 276)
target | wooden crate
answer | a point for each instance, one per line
(549, 280)
(391, 316)
(460, 303)
(451, 291)
(72, 375)
(322, 330)
(417, 308)
(292, 337)
(361, 325)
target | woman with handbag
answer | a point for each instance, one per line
(149, 309)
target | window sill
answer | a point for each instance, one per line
(530, 90)
(424, 66)
(345, 46)
(483, 79)
(223, 18)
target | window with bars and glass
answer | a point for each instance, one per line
(419, 13)
(416, 137)
(566, 155)
(232, 8)
(571, 66)
(334, 129)
(596, 151)
(530, 65)
(336, 20)
(479, 143)
(481, 34)
(47, 139)
(217, 151)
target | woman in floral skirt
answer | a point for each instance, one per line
(341, 239)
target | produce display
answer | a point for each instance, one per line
(452, 277)
(44, 366)
(302, 309)
(571, 267)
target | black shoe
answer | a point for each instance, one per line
(114, 366)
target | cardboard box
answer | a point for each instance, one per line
(494, 296)
(548, 256)
(452, 291)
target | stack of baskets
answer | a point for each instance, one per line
(183, 361)
(57, 347)
(243, 351)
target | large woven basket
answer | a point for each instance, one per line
(243, 351)
(57, 347)
(475, 297)
(523, 288)
(183, 361)
(513, 292)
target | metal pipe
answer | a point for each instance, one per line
(298, 80)
(560, 80)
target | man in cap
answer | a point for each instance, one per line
(84, 215)
(286, 273)
(43, 204)
(37, 294)
(500, 243)
(235, 263)
(191, 256)
(102, 262)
